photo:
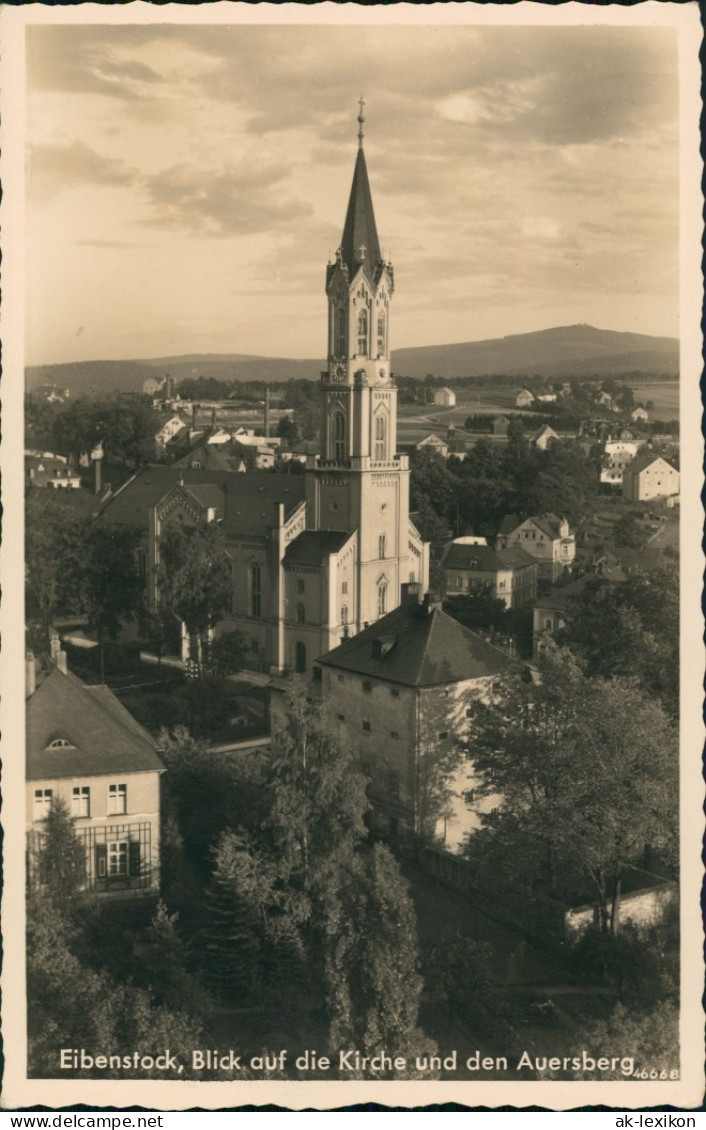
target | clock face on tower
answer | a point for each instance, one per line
(338, 373)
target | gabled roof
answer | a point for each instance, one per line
(103, 736)
(359, 229)
(312, 547)
(549, 524)
(249, 506)
(418, 647)
(642, 462)
(483, 559)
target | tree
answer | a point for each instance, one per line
(113, 585)
(646, 1041)
(55, 537)
(209, 793)
(236, 912)
(317, 818)
(226, 654)
(194, 580)
(73, 1006)
(629, 629)
(60, 864)
(587, 772)
(371, 961)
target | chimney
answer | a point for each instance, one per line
(30, 674)
(194, 414)
(61, 662)
(267, 411)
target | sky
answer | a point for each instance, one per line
(186, 184)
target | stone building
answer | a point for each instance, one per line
(397, 694)
(351, 508)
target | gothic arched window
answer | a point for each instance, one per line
(339, 437)
(381, 334)
(344, 614)
(341, 335)
(382, 545)
(301, 614)
(380, 436)
(363, 333)
(256, 590)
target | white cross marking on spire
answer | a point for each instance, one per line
(362, 249)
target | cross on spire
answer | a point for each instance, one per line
(361, 119)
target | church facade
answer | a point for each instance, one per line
(314, 559)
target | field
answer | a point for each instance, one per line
(665, 396)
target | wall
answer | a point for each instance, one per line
(141, 819)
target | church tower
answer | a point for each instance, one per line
(358, 482)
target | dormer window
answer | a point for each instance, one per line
(60, 743)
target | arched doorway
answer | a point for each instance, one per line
(299, 658)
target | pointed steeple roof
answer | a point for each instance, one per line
(360, 243)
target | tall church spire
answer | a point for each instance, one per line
(360, 245)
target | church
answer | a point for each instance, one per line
(317, 558)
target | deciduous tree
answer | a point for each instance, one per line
(587, 772)
(194, 579)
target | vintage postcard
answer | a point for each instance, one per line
(352, 637)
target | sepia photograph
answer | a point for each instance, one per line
(351, 415)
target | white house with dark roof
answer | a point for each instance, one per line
(84, 747)
(649, 477)
(509, 574)
(397, 694)
(547, 538)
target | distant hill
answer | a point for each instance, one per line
(566, 351)
(563, 352)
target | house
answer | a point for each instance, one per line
(546, 397)
(639, 414)
(433, 442)
(618, 454)
(546, 538)
(649, 477)
(84, 747)
(524, 398)
(446, 397)
(51, 472)
(509, 574)
(289, 600)
(549, 613)
(167, 433)
(543, 437)
(397, 694)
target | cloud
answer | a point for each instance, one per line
(86, 61)
(66, 165)
(228, 201)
